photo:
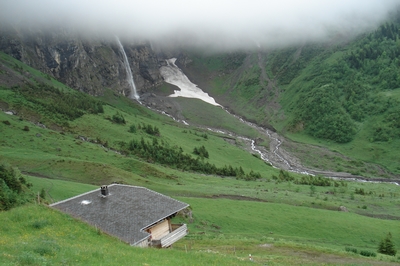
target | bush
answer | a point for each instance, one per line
(317, 180)
(10, 176)
(367, 253)
(132, 129)
(202, 152)
(12, 188)
(386, 246)
(118, 118)
(151, 130)
(42, 193)
(348, 249)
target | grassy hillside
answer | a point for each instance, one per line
(37, 235)
(224, 232)
(342, 95)
(275, 216)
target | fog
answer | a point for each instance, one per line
(223, 24)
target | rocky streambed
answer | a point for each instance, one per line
(275, 154)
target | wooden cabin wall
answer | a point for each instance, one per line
(160, 230)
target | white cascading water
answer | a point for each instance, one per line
(134, 94)
(173, 74)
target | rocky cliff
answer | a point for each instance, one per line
(88, 64)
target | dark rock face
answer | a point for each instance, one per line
(88, 64)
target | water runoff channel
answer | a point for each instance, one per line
(274, 155)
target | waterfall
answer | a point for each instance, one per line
(134, 94)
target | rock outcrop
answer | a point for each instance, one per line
(85, 63)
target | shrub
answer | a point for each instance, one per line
(132, 129)
(10, 177)
(6, 122)
(12, 188)
(312, 190)
(386, 246)
(42, 193)
(317, 180)
(367, 253)
(26, 128)
(349, 249)
(202, 152)
(118, 118)
(149, 129)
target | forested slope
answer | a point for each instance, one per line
(347, 86)
(343, 94)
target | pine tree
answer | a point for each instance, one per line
(386, 246)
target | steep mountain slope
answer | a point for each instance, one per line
(85, 63)
(55, 134)
(342, 95)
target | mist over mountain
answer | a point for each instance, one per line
(206, 24)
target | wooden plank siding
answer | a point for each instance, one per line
(159, 230)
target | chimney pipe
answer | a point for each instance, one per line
(104, 191)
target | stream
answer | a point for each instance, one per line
(275, 155)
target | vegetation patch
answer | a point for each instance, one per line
(14, 189)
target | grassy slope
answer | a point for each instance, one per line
(57, 156)
(240, 90)
(224, 232)
(361, 148)
(37, 235)
(299, 224)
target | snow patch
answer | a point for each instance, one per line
(173, 74)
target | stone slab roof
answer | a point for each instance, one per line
(124, 213)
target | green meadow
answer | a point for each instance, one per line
(223, 232)
(274, 217)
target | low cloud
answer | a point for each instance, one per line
(223, 24)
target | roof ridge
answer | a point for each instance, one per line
(74, 197)
(125, 185)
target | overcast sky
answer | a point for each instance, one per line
(223, 23)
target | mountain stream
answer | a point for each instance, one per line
(274, 155)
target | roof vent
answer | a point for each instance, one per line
(104, 191)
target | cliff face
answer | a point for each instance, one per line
(89, 64)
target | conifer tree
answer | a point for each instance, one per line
(386, 246)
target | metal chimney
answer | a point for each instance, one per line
(104, 191)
